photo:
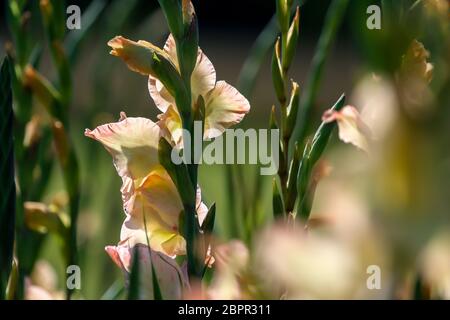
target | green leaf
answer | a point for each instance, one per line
(7, 184)
(133, 289)
(277, 200)
(277, 73)
(323, 134)
(292, 179)
(174, 15)
(291, 41)
(312, 152)
(333, 20)
(292, 109)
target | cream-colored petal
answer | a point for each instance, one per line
(203, 78)
(160, 193)
(225, 107)
(351, 128)
(171, 126)
(161, 97)
(156, 201)
(133, 143)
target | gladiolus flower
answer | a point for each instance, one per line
(224, 105)
(151, 201)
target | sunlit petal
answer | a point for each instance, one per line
(225, 107)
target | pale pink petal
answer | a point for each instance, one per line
(171, 126)
(351, 128)
(155, 201)
(203, 78)
(161, 97)
(133, 144)
(171, 279)
(225, 107)
(33, 292)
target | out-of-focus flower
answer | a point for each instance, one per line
(413, 78)
(351, 128)
(44, 275)
(224, 105)
(291, 263)
(151, 201)
(415, 64)
(42, 285)
(435, 265)
(376, 97)
(33, 292)
(305, 265)
(440, 7)
(232, 260)
(171, 278)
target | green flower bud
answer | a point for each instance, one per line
(277, 74)
(291, 41)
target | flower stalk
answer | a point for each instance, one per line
(298, 156)
(183, 25)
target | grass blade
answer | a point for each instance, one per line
(7, 197)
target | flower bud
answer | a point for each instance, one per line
(292, 179)
(292, 109)
(283, 14)
(291, 43)
(189, 48)
(47, 95)
(277, 74)
(147, 59)
(277, 200)
(273, 119)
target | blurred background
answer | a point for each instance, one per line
(394, 205)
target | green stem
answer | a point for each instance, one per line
(333, 20)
